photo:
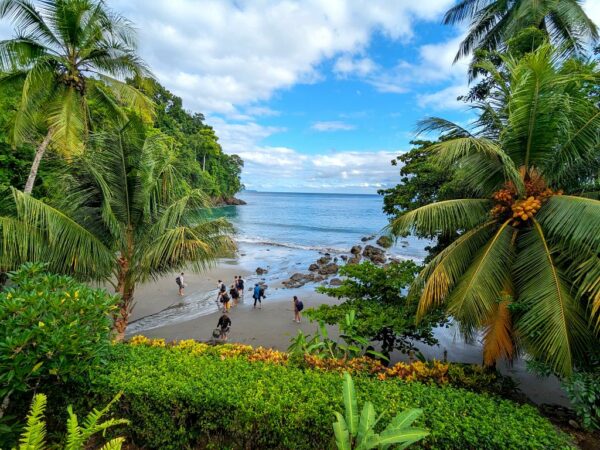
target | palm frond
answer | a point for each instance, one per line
(480, 288)
(67, 246)
(446, 216)
(454, 150)
(498, 335)
(439, 276)
(572, 221)
(553, 327)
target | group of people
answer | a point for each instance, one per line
(236, 291)
(232, 298)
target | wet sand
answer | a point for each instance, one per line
(270, 326)
(156, 296)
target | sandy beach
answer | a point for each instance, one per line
(270, 326)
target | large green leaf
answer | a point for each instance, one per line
(368, 418)
(342, 436)
(350, 405)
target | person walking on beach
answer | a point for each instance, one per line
(179, 281)
(234, 294)
(226, 302)
(225, 325)
(256, 296)
(240, 287)
(298, 306)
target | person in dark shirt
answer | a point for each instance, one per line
(256, 296)
(234, 294)
(224, 324)
(240, 287)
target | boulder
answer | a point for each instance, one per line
(313, 267)
(367, 238)
(323, 260)
(376, 255)
(335, 282)
(261, 271)
(344, 257)
(354, 260)
(384, 241)
(356, 250)
(329, 269)
(297, 277)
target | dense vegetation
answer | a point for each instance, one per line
(175, 399)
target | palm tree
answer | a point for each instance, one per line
(526, 267)
(493, 22)
(125, 217)
(68, 53)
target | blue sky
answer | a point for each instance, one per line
(314, 95)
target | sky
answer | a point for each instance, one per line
(314, 95)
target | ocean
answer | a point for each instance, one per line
(308, 223)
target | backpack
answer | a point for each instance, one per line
(299, 306)
(224, 298)
(178, 281)
(222, 288)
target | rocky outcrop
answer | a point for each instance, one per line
(384, 241)
(374, 254)
(355, 250)
(229, 201)
(335, 282)
(261, 271)
(313, 267)
(367, 238)
(328, 269)
(300, 279)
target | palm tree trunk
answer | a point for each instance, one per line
(39, 154)
(124, 287)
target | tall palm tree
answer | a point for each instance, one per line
(126, 216)
(526, 267)
(493, 22)
(68, 52)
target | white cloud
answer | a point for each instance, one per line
(444, 98)
(347, 65)
(283, 168)
(334, 125)
(220, 55)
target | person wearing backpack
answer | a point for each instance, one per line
(179, 281)
(256, 296)
(240, 287)
(298, 306)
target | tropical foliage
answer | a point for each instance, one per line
(200, 158)
(376, 295)
(493, 22)
(354, 431)
(68, 53)
(78, 436)
(54, 329)
(176, 400)
(124, 215)
(526, 266)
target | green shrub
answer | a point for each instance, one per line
(53, 329)
(175, 399)
(583, 389)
